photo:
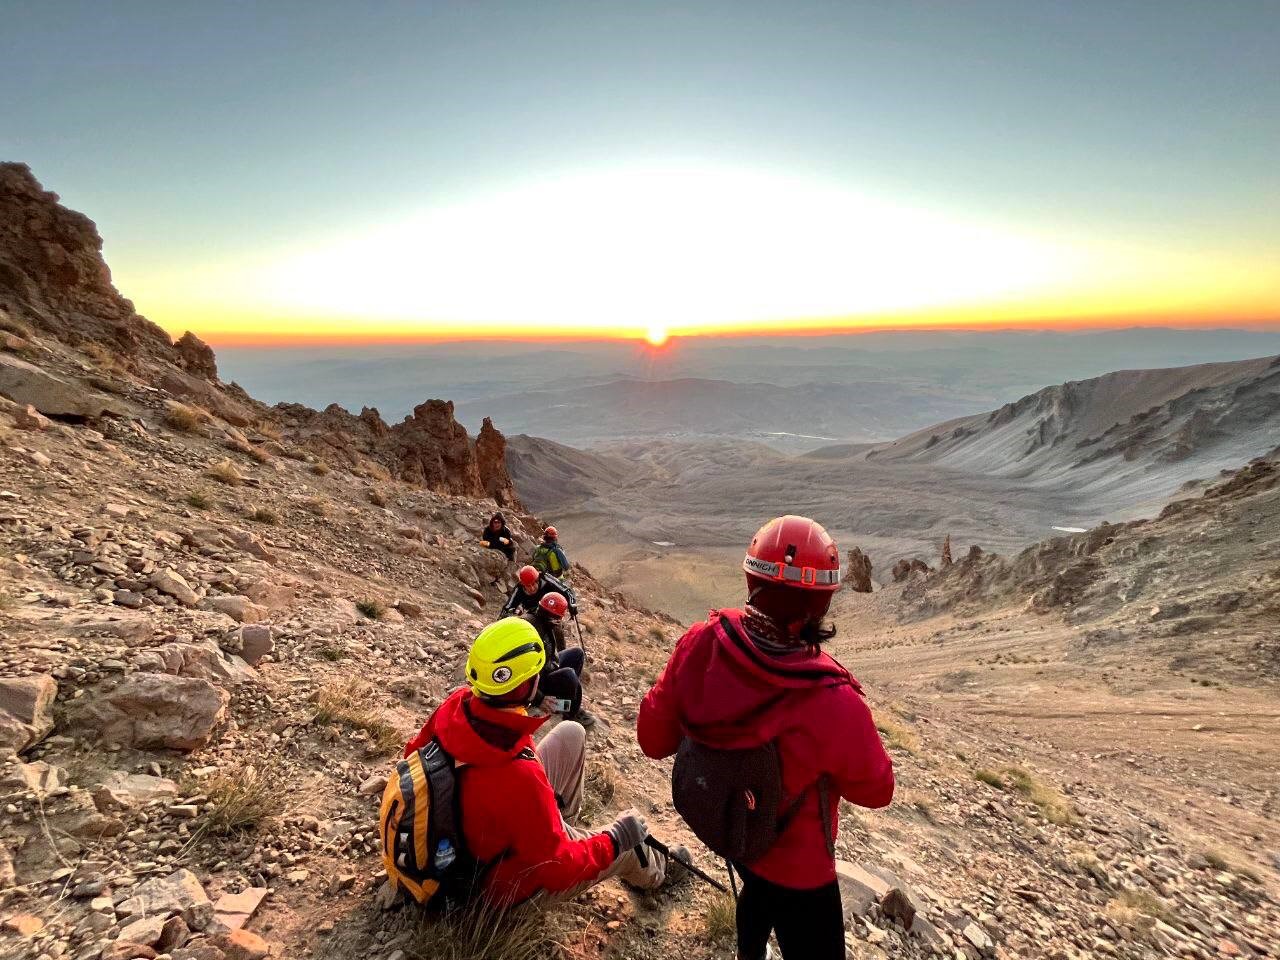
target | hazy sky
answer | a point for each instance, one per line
(315, 169)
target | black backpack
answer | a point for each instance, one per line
(732, 799)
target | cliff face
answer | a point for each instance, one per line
(53, 277)
(56, 287)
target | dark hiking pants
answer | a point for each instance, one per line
(809, 923)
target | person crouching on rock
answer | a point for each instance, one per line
(519, 803)
(548, 620)
(496, 536)
(769, 732)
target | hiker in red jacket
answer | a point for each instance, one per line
(749, 678)
(519, 803)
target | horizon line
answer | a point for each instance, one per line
(236, 341)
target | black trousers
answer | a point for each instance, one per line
(809, 923)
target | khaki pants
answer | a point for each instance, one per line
(563, 756)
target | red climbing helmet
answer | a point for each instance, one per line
(529, 576)
(555, 604)
(795, 552)
(550, 534)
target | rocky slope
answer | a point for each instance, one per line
(1156, 428)
(1197, 586)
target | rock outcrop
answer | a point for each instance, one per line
(857, 575)
(491, 461)
(53, 277)
(905, 569)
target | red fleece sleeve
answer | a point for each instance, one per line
(422, 738)
(865, 772)
(549, 858)
(658, 726)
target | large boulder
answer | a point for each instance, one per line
(125, 791)
(180, 892)
(205, 660)
(159, 711)
(26, 710)
(175, 585)
(53, 396)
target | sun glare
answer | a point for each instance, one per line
(706, 248)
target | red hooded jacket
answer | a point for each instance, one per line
(509, 811)
(720, 689)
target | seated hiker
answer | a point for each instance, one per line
(517, 803)
(496, 536)
(531, 586)
(753, 708)
(548, 556)
(548, 620)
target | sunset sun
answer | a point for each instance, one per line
(656, 334)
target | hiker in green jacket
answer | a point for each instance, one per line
(548, 557)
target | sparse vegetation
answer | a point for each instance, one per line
(19, 329)
(599, 788)
(184, 418)
(898, 736)
(990, 778)
(1053, 805)
(373, 609)
(224, 471)
(353, 703)
(332, 654)
(317, 506)
(320, 468)
(199, 500)
(480, 931)
(721, 918)
(658, 633)
(263, 515)
(377, 497)
(241, 800)
(269, 430)
(1137, 909)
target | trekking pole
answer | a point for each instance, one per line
(581, 642)
(662, 848)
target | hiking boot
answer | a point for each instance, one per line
(677, 872)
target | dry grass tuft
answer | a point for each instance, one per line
(199, 500)
(241, 800)
(320, 468)
(599, 789)
(373, 609)
(19, 329)
(1137, 910)
(377, 497)
(479, 931)
(990, 778)
(185, 418)
(354, 703)
(897, 735)
(269, 430)
(317, 506)
(721, 918)
(263, 515)
(224, 471)
(658, 633)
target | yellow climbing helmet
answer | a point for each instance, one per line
(505, 655)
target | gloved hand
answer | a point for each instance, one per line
(627, 832)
